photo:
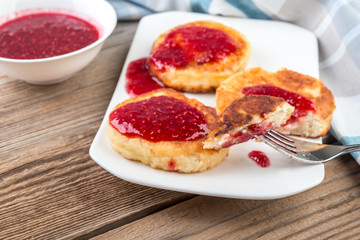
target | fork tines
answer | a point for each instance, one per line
(282, 136)
(279, 140)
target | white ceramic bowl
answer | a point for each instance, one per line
(56, 69)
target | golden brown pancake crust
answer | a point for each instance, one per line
(307, 86)
(242, 111)
(204, 77)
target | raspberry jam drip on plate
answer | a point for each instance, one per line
(260, 158)
(160, 118)
(139, 80)
(302, 105)
(44, 35)
(191, 43)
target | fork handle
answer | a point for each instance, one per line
(352, 148)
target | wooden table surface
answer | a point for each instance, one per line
(52, 189)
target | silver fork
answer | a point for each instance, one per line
(303, 151)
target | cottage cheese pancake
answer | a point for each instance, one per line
(313, 102)
(197, 56)
(164, 129)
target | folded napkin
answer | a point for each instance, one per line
(336, 23)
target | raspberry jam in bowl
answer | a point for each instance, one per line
(46, 42)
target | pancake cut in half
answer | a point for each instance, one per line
(246, 117)
(165, 130)
(198, 56)
(313, 101)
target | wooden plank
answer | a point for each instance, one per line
(50, 187)
(330, 210)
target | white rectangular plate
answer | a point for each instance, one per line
(274, 45)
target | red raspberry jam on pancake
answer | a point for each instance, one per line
(192, 43)
(302, 105)
(160, 118)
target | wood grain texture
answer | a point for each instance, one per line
(50, 187)
(328, 211)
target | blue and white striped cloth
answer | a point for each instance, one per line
(336, 23)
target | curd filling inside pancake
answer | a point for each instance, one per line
(302, 105)
(139, 80)
(160, 118)
(192, 43)
(245, 134)
(44, 35)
